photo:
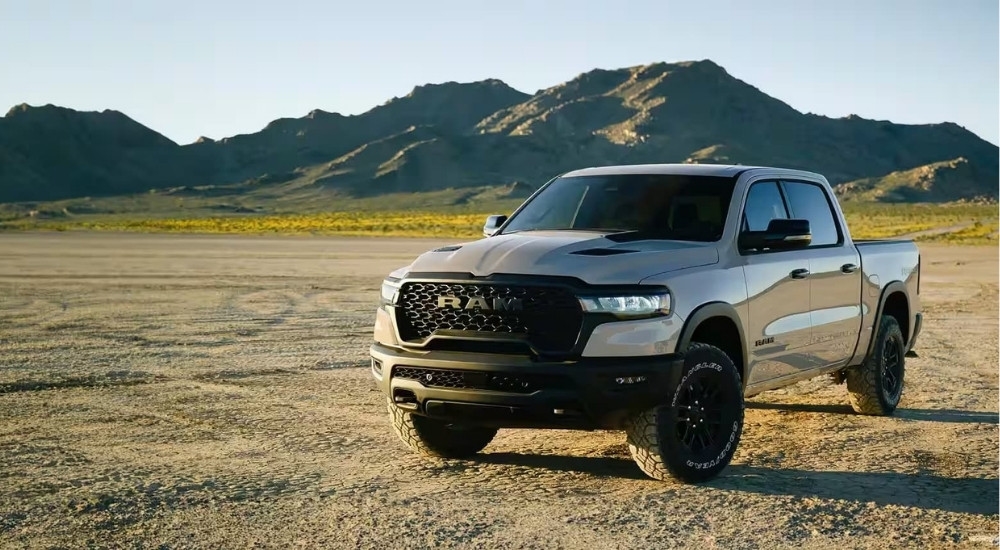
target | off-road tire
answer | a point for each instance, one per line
(655, 435)
(866, 383)
(432, 437)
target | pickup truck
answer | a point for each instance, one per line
(646, 298)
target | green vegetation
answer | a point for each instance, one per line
(953, 223)
(411, 224)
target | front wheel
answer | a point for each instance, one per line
(437, 438)
(694, 434)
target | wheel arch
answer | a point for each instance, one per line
(893, 301)
(718, 316)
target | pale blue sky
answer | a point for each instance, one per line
(218, 68)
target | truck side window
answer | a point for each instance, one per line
(809, 202)
(763, 205)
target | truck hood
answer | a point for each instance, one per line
(588, 256)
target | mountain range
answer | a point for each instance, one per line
(487, 135)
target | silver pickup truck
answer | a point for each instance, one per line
(648, 298)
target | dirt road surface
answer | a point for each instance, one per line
(205, 391)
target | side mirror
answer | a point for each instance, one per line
(493, 223)
(779, 235)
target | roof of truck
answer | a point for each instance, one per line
(678, 169)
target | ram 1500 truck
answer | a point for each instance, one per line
(647, 298)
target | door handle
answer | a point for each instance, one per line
(800, 273)
(848, 268)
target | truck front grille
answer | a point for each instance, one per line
(549, 317)
(476, 380)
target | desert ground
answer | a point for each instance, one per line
(173, 391)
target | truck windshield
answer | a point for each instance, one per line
(661, 206)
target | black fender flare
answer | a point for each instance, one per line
(895, 286)
(708, 311)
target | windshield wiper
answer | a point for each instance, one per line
(588, 229)
(526, 230)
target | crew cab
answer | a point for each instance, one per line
(647, 298)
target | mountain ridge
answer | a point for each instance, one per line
(485, 133)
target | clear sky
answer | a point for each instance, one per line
(224, 67)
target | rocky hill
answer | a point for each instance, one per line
(936, 182)
(51, 152)
(486, 133)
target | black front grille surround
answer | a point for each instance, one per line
(477, 380)
(550, 317)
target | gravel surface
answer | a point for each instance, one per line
(204, 391)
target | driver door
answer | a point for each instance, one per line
(779, 327)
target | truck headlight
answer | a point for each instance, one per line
(629, 305)
(389, 289)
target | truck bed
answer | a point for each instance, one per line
(885, 262)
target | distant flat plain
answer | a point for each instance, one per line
(213, 391)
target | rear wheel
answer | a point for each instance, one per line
(438, 438)
(876, 385)
(694, 434)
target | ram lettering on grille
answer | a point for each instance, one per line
(498, 303)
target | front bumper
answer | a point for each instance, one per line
(506, 391)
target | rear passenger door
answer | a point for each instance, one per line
(779, 323)
(834, 274)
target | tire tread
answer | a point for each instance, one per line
(406, 425)
(644, 444)
(864, 384)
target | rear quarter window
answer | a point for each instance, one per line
(809, 201)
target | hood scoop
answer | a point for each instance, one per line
(450, 248)
(603, 252)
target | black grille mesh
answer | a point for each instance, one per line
(475, 380)
(551, 316)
